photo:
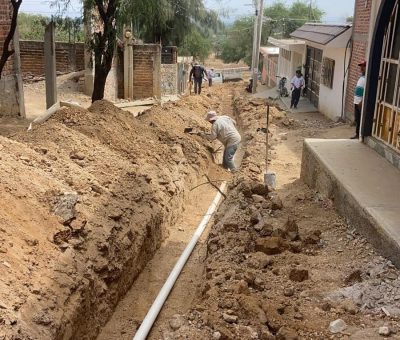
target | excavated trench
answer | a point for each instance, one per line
(132, 309)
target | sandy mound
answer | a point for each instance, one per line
(86, 198)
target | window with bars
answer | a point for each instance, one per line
(328, 70)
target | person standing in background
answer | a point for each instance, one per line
(297, 84)
(358, 98)
(210, 75)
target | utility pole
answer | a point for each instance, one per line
(257, 41)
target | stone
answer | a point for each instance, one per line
(291, 229)
(384, 331)
(313, 238)
(349, 306)
(353, 277)
(260, 189)
(257, 198)
(259, 226)
(288, 292)
(270, 245)
(65, 206)
(298, 316)
(77, 155)
(216, 335)
(337, 326)
(255, 218)
(276, 203)
(298, 275)
(176, 322)
(286, 333)
(229, 318)
(263, 259)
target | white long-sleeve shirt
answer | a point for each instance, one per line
(225, 131)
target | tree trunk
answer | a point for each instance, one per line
(101, 71)
(100, 77)
(7, 53)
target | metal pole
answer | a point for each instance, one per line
(256, 48)
(253, 61)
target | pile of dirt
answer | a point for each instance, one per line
(86, 198)
(283, 265)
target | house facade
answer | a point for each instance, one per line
(291, 56)
(322, 53)
(325, 58)
(269, 59)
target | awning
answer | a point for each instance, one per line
(320, 33)
(288, 44)
(265, 51)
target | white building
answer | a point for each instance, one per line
(322, 53)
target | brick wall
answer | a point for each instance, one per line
(69, 57)
(146, 71)
(5, 20)
(362, 17)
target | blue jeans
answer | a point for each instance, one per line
(197, 85)
(229, 153)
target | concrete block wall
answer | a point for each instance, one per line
(361, 27)
(169, 79)
(69, 57)
(146, 71)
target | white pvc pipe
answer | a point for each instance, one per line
(158, 303)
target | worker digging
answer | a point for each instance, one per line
(224, 129)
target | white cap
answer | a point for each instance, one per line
(211, 115)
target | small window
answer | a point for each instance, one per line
(328, 69)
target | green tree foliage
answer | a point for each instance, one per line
(196, 45)
(31, 27)
(279, 21)
(168, 21)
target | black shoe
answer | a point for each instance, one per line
(355, 137)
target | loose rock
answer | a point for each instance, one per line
(384, 331)
(337, 326)
(270, 245)
(298, 275)
(230, 318)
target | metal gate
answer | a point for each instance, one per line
(386, 125)
(313, 74)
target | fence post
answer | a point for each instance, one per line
(50, 64)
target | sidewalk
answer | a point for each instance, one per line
(304, 104)
(362, 185)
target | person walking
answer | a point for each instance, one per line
(224, 129)
(297, 84)
(197, 72)
(210, 75)
(358, 98)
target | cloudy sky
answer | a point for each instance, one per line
(335, 10)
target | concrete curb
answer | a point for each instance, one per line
(319, 175)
